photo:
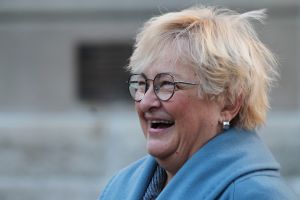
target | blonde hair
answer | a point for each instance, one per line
(223, 48)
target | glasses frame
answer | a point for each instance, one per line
(156, 89)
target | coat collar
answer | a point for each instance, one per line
(222, 160)
(207, 173)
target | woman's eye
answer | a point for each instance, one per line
(137, 84)
(166, 83)
(141, 83)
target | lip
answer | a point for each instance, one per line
(158, 131)
(158, 116)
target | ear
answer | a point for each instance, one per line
(231, 109)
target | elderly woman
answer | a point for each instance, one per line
(200, 81)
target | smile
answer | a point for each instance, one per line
(161, 124)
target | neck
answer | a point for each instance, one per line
(172, 164)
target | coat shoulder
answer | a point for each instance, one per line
(122, 181)
(267, 185)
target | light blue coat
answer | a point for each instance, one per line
(234, 165)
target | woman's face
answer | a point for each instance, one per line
(180, 126)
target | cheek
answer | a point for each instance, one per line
(140, 116)
(184, 110)
(192, 113)
(138, 110)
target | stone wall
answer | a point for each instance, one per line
(53, 146)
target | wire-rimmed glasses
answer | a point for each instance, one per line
(164, 86)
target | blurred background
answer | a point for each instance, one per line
(67, 123)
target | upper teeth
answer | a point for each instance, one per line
(162, 121)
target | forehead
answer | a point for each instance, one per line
(169, 58)
(163, 65)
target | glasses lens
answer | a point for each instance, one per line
(164, 86)
(137, 86)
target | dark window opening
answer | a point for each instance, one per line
(101, 74)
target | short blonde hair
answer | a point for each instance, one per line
(223, 48)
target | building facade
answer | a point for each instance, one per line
(64, 107)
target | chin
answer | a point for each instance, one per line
(159, 149)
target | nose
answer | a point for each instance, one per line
(150, 100)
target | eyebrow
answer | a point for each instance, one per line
(174, 74)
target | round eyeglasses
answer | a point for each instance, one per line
(164, 86)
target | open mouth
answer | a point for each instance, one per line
(159, 124)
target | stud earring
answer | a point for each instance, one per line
(226, 125)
